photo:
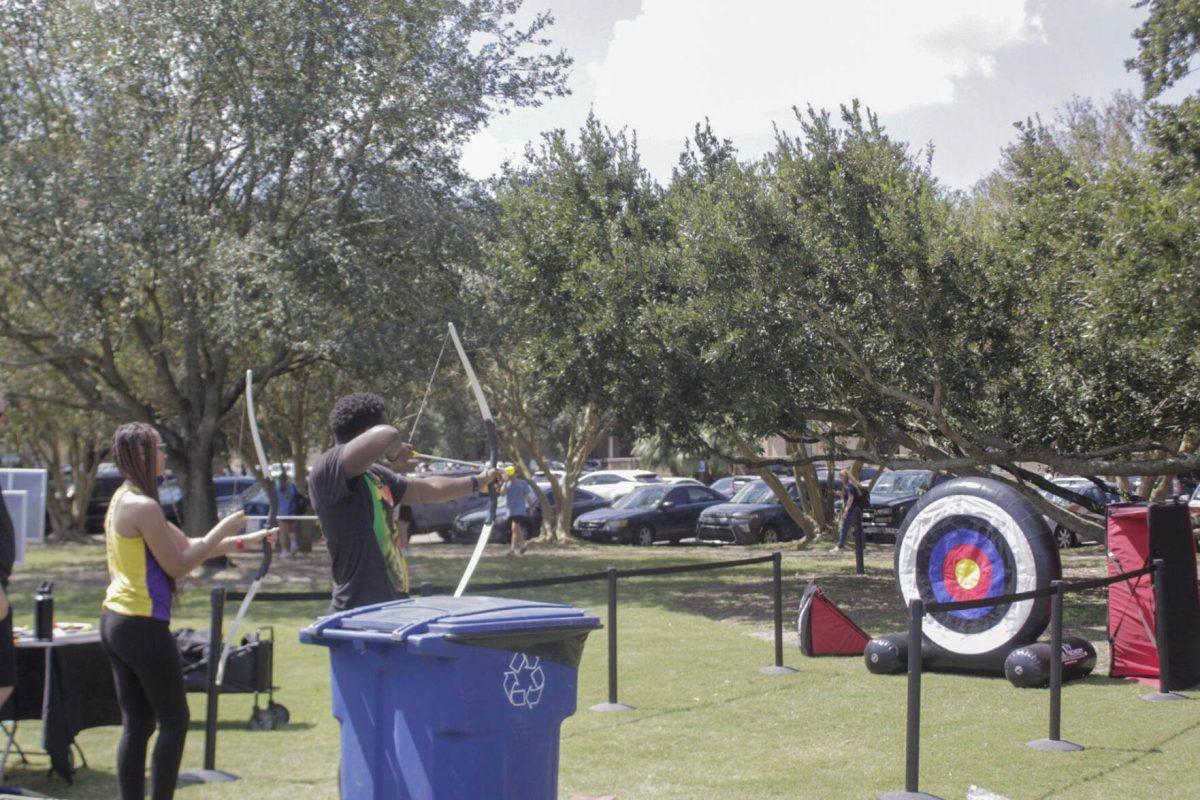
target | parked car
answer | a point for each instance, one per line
(613, 484)
(252, 500)
(226, 486)
(108, 480)
(1063, 535)
(649, 514)
(1181, 485)
(731, 484)
(467, 526)
(678, 481)
(754, 514)
(892, 496)
(439, 517)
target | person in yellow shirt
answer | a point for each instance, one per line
(146, 556)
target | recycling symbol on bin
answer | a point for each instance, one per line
(524, 681)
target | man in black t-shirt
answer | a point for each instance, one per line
(354, 495)
(8, 554)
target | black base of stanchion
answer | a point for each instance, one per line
(611, 707)
(207, 776)
(778, 670)
(909, 796)
(1057, 745)
(1163, 697)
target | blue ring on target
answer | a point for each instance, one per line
(937, 557)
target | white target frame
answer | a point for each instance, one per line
(1008, 626)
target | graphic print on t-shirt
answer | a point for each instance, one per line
(385, 531)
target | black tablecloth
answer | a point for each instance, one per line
(77, 694)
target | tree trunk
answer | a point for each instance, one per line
(807, 524)
(814, 500)
(194, 474)
(299, 438)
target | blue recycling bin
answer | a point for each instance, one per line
(444, 698)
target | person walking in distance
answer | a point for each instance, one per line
(518, 499)
(289, 506)
(146, 556)
(854, 500)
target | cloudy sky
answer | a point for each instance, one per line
(957, 73)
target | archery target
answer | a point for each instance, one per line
(971, 539)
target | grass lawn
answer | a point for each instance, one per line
(707, 723)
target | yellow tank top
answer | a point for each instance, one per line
(138, 586)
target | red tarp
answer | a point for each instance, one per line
(1130, 603)
(825, 630)
(1138, 533)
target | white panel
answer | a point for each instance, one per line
(17, 503)
(34, 482)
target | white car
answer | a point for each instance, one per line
(1065, 536)
(613, 484)
(679, 481)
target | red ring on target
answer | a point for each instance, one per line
(966, 572)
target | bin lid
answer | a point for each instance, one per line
(455, 617)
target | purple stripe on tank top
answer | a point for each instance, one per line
(159, 587)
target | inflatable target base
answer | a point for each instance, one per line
(1029, 666)
(972, 539)
(888, 655)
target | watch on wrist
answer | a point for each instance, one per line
(474, 483)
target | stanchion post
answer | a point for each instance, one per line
(212, 691)
(613, 704)
(912, 739)
(1056, 623)
(777, 594)
(860, 547)
(1055, 741)
(1160, 637)
(912, 747)
(210, 773)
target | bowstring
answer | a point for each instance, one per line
(429, 386)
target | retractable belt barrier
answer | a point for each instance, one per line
(219, 597)
(917, 609)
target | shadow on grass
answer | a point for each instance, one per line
(1069, 789)
(232, 725)
(638, 716)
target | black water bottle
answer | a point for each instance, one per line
(43, 612)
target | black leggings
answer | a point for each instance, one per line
(149, 678)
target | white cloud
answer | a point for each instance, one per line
(745, 64)
(483, 154)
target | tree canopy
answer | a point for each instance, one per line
(200, 187)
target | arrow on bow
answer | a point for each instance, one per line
(272, 517)
(489, 427)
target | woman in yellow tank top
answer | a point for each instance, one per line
(146, 556)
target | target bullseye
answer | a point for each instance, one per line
(966, 572)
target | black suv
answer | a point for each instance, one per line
(893, 494)
(108, 480)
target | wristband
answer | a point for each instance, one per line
(475, 484)
(240, 544)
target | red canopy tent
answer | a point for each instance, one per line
(1138, 533)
